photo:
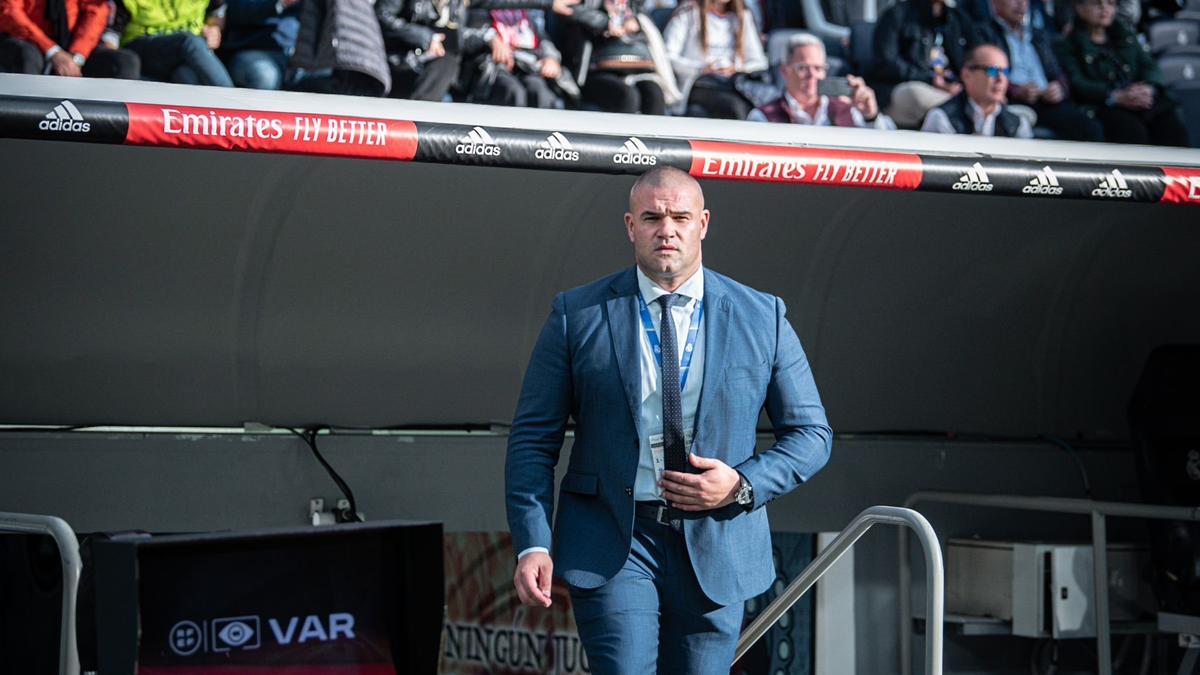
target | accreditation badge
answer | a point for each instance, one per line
(656, 451)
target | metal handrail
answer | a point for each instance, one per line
(1098, 512)
(68, 551)
(890, 515)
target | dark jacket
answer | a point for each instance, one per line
(254, 24)
(994, 31)
(342, 35)
(584, 33)
(958, 111)
(409, 25)
(1095, 70)
(907, 32)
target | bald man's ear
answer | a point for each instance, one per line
(629, 225)
(704, 223)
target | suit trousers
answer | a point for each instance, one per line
(652, 616)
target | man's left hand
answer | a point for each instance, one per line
(549, 68)
(715, 486)
(1054, 93)
(863, 98)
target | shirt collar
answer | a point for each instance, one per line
(798, 112)
(977, 114)
(692, 288)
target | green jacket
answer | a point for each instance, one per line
(159, 17)
(1095, 72)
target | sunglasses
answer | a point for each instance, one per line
(992, 71)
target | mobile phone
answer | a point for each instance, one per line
(834, 87)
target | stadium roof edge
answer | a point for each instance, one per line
(594, 123)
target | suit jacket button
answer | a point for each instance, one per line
(629, 491)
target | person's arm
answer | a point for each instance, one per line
(89, 26)
(1024, 129)
(890, 66)
(1083, 88)
(395, 27)
(594, 22)
(803, 439)
(537, 433)
(17, 23)
(937, 122)
(678, 33)
(754, 59)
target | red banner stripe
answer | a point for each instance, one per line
(262, 131)
(296, 669)
(811, 166)
(1182, 185)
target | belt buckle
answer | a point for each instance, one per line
(660, 515)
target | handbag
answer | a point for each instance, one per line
(623, 54)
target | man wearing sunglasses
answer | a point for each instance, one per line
(979, 108)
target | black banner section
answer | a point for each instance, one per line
(558, 151)
(1053, 180)
(63, 119)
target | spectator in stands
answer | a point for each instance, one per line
(426, 41)
(175, 39)
(1114, 75)
(339, 49)
(522, 66)
(607, 45)
(260, 36)
(802, 102)
(920, 46)
(979, 108)
(61, 37)
(713, 44)
(1036, 79)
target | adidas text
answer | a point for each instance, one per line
(64, 125)
(972, 186)
(1041, 190)
(634, 158)
(560, 154)
(477, 149)
(1117, 193)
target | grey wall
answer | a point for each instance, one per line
(170, 482)
(216, 288)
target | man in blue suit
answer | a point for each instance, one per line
(661, 533)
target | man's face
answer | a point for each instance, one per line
(666, 224)
(803, 71)
(1011, 11)
(984, 88)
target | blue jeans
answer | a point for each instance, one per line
(652, 616)
(181, 57)
(258, 68)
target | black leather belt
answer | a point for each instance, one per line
(665, 515)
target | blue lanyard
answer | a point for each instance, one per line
(688, 348)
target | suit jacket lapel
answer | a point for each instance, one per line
(623, 325)
(716, 342)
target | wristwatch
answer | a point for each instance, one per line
(745, 493)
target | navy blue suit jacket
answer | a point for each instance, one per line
(585, 366)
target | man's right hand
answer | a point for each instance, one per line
(502, 54)
(64, 65)
(532, 579)
(564, 7)
(437, 47)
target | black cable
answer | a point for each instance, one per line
(1083, 475)
(310, 439)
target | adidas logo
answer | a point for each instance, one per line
(64, 117)
(974, 180)
(1113, 185)
(635, 152)
(556, 146)
(1044, 183)
(478, 142)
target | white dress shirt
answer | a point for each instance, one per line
(937, 121)
(821, 119)
(645, 486)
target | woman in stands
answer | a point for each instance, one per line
(1111, 73)
(713, 44)
(606, 41)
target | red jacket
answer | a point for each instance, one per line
(26, 19)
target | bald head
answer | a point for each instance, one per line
(664, 177)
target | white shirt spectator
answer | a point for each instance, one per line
(688, 57)
(937, 121)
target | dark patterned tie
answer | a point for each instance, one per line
(674, 452)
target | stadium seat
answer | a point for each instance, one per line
(1180, 68)
(862, 37)
(1188, 95)
(1175, 36)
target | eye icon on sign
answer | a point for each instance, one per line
(184, 638)
(237, 632)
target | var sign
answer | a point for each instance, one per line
(313, 628)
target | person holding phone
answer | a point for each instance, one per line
(810, 97)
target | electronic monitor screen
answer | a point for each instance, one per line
(364, 599)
